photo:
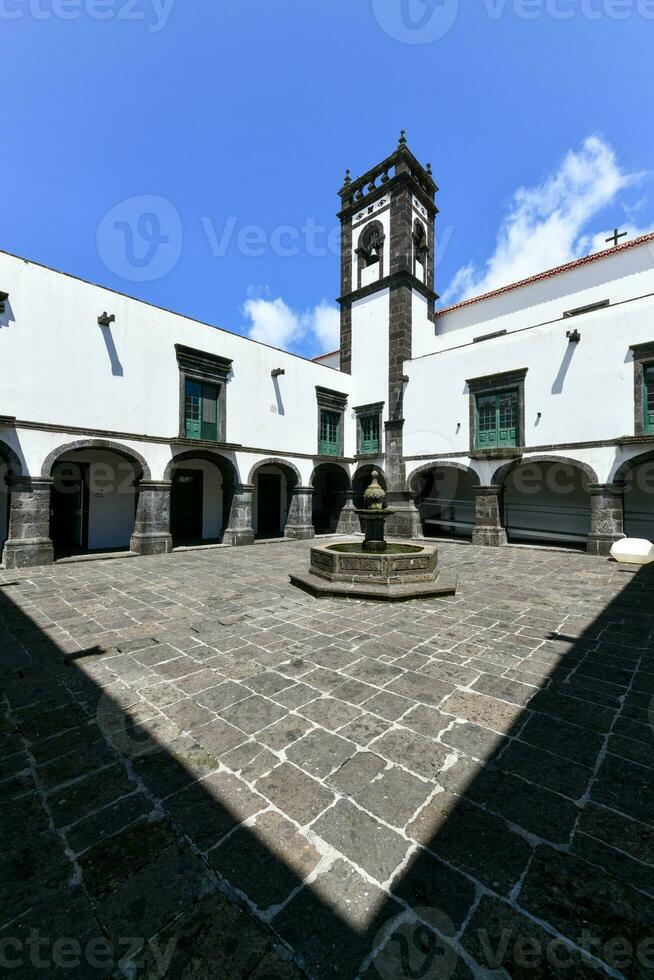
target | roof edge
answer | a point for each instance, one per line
(548, 274)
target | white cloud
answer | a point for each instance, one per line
(546, 224)
(274, 322)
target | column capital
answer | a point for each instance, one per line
(489, 489)
(616, 489)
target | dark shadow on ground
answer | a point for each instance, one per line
(118, 847)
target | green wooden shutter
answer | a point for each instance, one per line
(210, 412)
(193, 409)
(486, 422)
(649, 398)
(330, 427)
(497, 420)
(507, 419)
(370, 434)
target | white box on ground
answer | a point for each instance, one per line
(633, 551)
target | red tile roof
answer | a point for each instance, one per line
(576, 263)
(321, 357)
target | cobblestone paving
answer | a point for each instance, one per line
(206, 773)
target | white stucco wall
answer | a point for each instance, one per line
(58, 366)
(584, 392)
(370, 319)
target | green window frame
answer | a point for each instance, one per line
(497, 419)
(330, 433)
(369, 434)
(648, 397)
(201, 410)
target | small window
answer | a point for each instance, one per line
(649, 398)
(201, 410)
(497, 420)
(330, 424)
(369, 433)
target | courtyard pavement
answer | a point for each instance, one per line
(206, 773)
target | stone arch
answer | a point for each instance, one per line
(93, 509)
(501, 473)
(540, 507)
(446, 499)
(624, 470)
(428, 467)
(334, 465)
(371, 244)
(332, 490)
(272, 495)
(131, 455)
(225, 465)
(202, 504)
(634, 481)
(282, 464)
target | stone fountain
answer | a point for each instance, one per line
(391, 571)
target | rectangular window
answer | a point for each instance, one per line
(201, 410)
(497, 420)
(649, 398)
(330, 426)
(369, 434)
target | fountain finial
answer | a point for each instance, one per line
(375, 496)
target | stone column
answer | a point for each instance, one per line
(299, 523)
(152, 523)
(405, 522)
(607, 517)
(348, 520)
(239, 530)
(488, 530)
(29, 524)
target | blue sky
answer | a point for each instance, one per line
(189, 153)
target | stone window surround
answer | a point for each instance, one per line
(643, 357)
(375, 408)
(418, 222)
(197, 365)
(377, 225)
(331, 401)
(493, 384)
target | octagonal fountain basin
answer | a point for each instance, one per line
(402, 571)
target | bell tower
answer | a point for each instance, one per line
(387, 295)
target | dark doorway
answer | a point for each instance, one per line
(269, 505)
(330, 487)
(186, 498)
(69, 508)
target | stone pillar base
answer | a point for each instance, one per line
(238, 536)
(601, 545)
(405, 521)
(27, 552)
(488, 531)
(154, 543)
(299, 532)
(298, 522)
(489, 537)
(607, 518)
